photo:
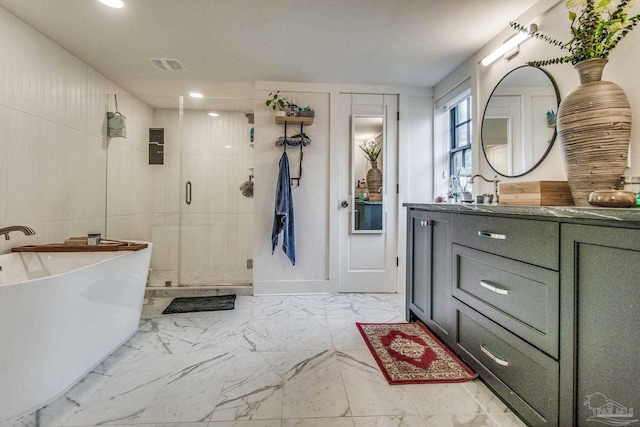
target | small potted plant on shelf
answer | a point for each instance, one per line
(278, 103)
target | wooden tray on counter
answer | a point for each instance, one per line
(102, 247)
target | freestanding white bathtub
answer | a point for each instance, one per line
(61, 314)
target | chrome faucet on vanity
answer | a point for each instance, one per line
(495, 181)
(6, 230)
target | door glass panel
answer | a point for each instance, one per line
(367, 168)
(215, 217)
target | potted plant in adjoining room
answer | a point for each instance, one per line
(594, 120)
(372, 150)
(278, 103)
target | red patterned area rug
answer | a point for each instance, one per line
(408, 353)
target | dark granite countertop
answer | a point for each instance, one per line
(620, 217)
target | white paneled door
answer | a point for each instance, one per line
(368, 213)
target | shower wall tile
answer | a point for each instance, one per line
(165, 240)
(25, 58)
(199, 237)
(54, 82)
(239, 173)
(240, 245)
(166, 187)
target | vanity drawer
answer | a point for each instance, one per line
(520, 297)
(524, 376)
(530, 241)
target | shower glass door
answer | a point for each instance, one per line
(216, 220)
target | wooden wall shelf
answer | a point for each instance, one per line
(294, 120)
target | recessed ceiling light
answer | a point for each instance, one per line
(112, 3)
(212, 114)
(196, 95)
(227, 146)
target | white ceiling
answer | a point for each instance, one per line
(377, 42)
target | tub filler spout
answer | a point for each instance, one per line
(6, 230)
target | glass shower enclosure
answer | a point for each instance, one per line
(185, 190)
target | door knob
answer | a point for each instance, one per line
(344, 204)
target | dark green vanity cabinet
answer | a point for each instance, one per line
(429, 271)
(544, 304)
(601, 329)
(505, 285)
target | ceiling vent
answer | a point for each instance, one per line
(167, 64)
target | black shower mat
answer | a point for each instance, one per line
(193, 304)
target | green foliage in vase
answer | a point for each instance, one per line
(371, 150)
(597, 26)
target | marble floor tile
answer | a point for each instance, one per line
(270, 306)
(313, 386)
(274, 361)
(123, 398)
(452, 420)
(507, 420)
(439, 399)
(265, 334)
(191, 390)
(309, 333)
(367, 390)
(344, 333)
(394, 421)
(318, 422)
(259, 423)
(485, 397)
(253, 391)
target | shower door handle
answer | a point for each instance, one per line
(187, 192)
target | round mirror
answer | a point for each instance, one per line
(519, 122)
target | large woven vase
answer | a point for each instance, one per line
(594, 124)
(374, 178)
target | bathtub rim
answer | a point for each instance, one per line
(115, 254)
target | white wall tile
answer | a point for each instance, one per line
(23, 172)
(77, 94)
(53, 148)
(94, 189)
(25, 65)
(123, 180)
(54, 82)
(119, 227)
(6, 35)
(96, 103)
(52, 163)
(142, 227)
(74, 171)
(4, 165)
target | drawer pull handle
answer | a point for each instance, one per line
(494, 288)
(492, 235)
(493, 357)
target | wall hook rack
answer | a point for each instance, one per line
(301, 139)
